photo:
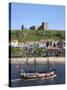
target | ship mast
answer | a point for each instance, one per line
(26, 64)
(26, 61)
(48, 66)
(35, 63)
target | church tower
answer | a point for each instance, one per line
(46, 26)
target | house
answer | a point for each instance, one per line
(14, 43)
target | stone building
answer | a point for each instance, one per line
(43, 26)
(33, 28)
(22, 27)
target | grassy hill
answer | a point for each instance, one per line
(36, 35)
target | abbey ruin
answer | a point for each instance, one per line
(43, 26)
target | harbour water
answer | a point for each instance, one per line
(17, 81)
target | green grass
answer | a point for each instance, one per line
(36, 35)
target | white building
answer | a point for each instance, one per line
(14, 43)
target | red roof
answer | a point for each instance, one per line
(53, 48)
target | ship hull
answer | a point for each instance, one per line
(47, 75)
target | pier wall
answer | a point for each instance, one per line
(40, 60)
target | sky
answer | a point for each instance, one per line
(35, 14)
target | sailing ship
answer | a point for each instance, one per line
(48, 74)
